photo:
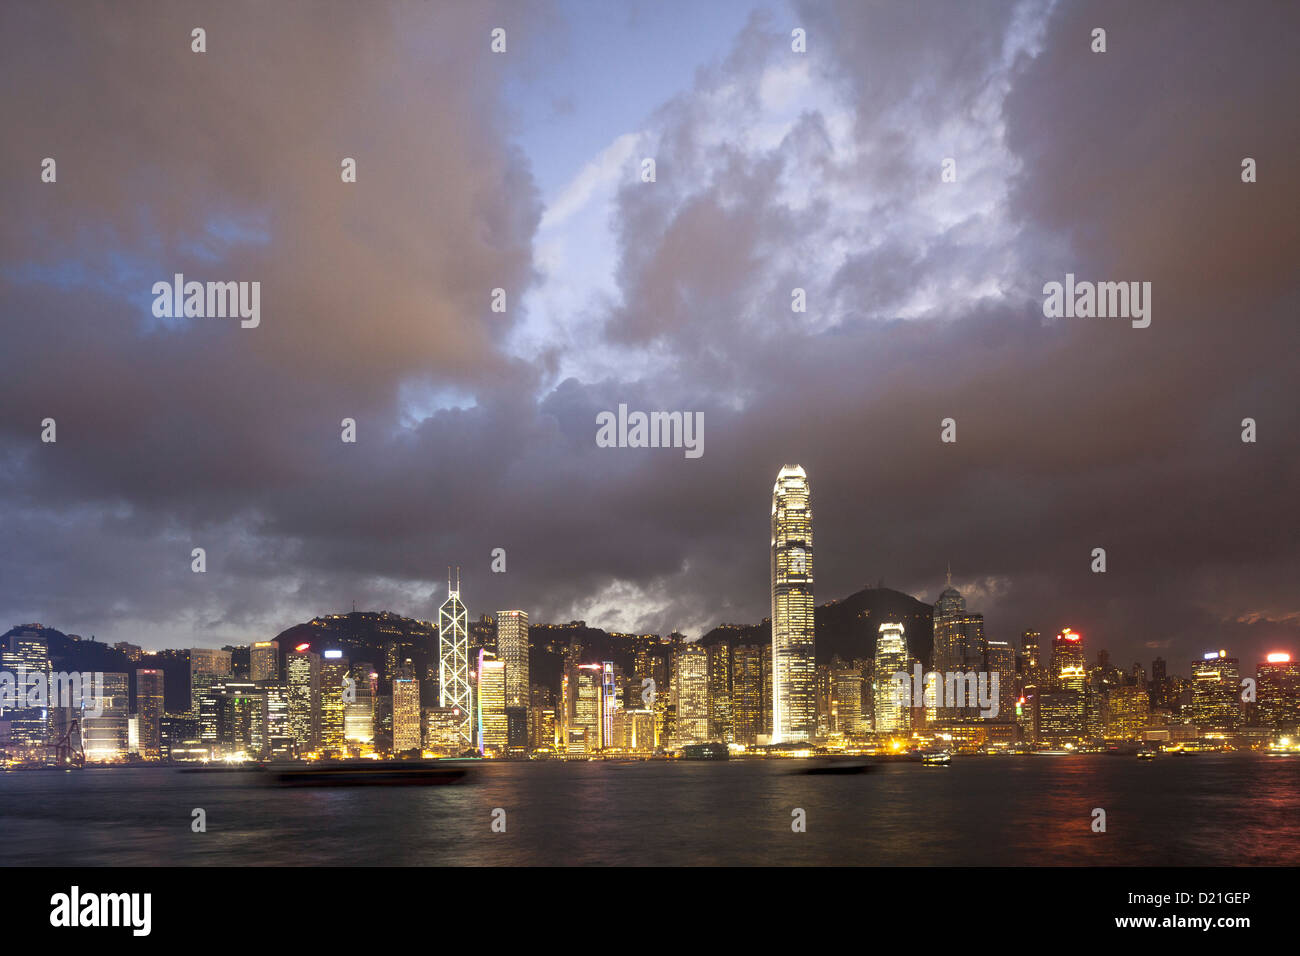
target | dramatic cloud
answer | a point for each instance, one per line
(774, 171)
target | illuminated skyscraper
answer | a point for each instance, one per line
(453, 663)
(794, 678)
(208, 666)
(846, 693)
(492, 677)
(720, 721)
(1067, 654)
(891, 716)
(747, 694)
(581, 693)
(1000, 659)
(149, 707)
(302, 666)
(406, 715)
(104, 737)
(359, 714)
(1216, 686)
(512, 649)
(333, 684)
(26, 656)
(1278, 692)
(691, 691)
(264, 661)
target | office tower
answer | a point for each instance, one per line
(1031, 655)
(492, 677)
(359, 713)
(333, 688)
(846, 698)
(950, 649)
(453, 663)
(208, 666)
(406, 715)
(302, 670)
(264, 661)
(1061, 711)
(442, 731)
(1127, 711)
(232, 720)
(279, 743)
(581, 691)
(691, 694)
(720, 720)
(892, 715)
(747, 694)
(1277, 680)
(634, 731)
(1000, 659)
(608, 701)
(26, 655)
(1067, 653)
(1216, 686)
(794, 692)
(181, 738)
(104, 737)
(512, 649)
(149, 706)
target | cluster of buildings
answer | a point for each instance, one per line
(473, 694)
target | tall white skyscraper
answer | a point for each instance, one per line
(891, 658)
(453, 663)
(794, 664)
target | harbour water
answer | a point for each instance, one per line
(1198, 810)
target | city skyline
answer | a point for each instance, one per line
(805, 271)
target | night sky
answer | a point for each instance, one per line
(774, 170)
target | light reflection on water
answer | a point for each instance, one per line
(998, 811)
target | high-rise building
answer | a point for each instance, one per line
(1031, 658)
(512, 649)
(1216, 684)
(581, 691)
(208, 666)
(264, 661)
(794, 663)
(1127, 710)
(1000, 659)
(104, 737)
(891, 714)
(333, 703)
(454, 690)
(232, 719)
(359, 713)
(26, 655)
(302, 667)
(149, 706)
(950, 649)
(747, 694)
(406, 715)
(280, 743)
(1067, 654)
(691, 694)
(720, 721)
(493, 675)
(1277, 679)
(846, 698)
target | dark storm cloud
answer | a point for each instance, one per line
(1071, 434)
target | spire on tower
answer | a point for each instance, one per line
(949, 574)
